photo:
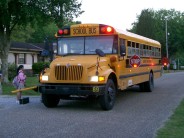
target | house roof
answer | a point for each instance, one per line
(26, 46)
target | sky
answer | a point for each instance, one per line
(120, 13)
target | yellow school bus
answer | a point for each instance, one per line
(97, 60)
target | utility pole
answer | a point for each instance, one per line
(166, 36)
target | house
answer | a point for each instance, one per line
(26, 54)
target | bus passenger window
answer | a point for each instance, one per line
(153, 51)
(115, 45)
(129, 48)
(141, 50)
(137, 49)
(122, 47)
(144, 50)
(159, 53)
(133, 48)
(149, 53)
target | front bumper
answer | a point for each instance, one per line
(74, 89)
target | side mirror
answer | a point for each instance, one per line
(122, 50)
(100, 52)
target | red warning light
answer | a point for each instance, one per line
(165, 61)
(109, 29)
(103, 29)
(60, 32)
(106, 30)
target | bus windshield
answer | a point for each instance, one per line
(87, 45)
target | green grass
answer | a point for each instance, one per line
(30, 81)
(174, 127)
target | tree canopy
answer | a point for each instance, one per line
(16, 13)
(152, 24)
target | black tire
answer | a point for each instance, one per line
(107, 100)
(148, 86)
(142, 87)
(50, 100)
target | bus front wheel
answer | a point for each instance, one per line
(50, 100)
(107, 100)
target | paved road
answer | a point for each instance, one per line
(135, 115)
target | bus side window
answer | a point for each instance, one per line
(122, 47)
(133, 48)
(115, 45)
(144, 50)
(129, 48)
(141, 50)
(137, 49)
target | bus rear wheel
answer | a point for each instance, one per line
(107, 100)
(147, 86)
(50, 100)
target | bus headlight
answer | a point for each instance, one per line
(97, 79)
(45, 78)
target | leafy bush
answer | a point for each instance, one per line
(39, 66)
(12, 70)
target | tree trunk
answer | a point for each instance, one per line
(4, 50)
(1, 91)
(4, 67)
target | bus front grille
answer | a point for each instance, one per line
(68, 73)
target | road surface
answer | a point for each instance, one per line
(135, 114)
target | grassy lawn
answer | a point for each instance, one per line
(174, 128)
(30, 81)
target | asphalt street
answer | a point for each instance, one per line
(135, 114)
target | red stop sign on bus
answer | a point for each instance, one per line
(165, 61)
(135, 61)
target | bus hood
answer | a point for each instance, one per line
(87, 61)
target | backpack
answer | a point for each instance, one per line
(15, 82)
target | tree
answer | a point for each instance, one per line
(152, 24)
(42, 32)
(22, 33)
(145, 24)
(21, 12)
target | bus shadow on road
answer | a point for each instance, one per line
(93, 103)
(85, 104)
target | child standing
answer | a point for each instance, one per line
(21, 81)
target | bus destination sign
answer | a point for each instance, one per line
(83, 31)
